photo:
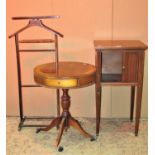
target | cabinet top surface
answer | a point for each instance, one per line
(119, 44)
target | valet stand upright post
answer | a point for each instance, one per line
(34, 21)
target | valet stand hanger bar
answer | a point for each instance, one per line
(34, 21)
(34, 17)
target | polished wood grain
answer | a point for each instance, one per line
(98, 90)
(36, 41)
(132, 102)
(119, 84)
(62, 127)
(69, 75)
(75, 124)
(34, 21)
(119, 44)
(130, 66)
(53, 124)
(34, 17)
(65, 75)
(139, 89)
(133, 54)
(65, 120)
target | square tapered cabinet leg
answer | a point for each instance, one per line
(132, 102)
(98, 109)
(138, 109)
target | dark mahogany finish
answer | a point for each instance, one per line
(34, 17)
(65, 120)
(68, 76)
(34, 21)
(130, 73)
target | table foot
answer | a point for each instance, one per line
(60, 149)
(93, 138)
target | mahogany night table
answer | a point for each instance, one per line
(120, 63)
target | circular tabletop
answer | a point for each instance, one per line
(69, 75)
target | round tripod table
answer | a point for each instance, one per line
(68, 75)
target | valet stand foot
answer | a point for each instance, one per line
(65, 121)
(21, 124)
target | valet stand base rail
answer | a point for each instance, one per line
(22, 123)
(65, 121)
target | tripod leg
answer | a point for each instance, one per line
(74, 123)
(61, 129)
(54, 123)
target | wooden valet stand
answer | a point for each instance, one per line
(34, 21)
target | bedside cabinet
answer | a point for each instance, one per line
(120, 63)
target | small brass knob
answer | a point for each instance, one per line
(123, 67)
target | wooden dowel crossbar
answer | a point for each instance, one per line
(37, 50)
(36, 41)
(31, 86)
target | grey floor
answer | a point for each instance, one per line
(116, 138)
